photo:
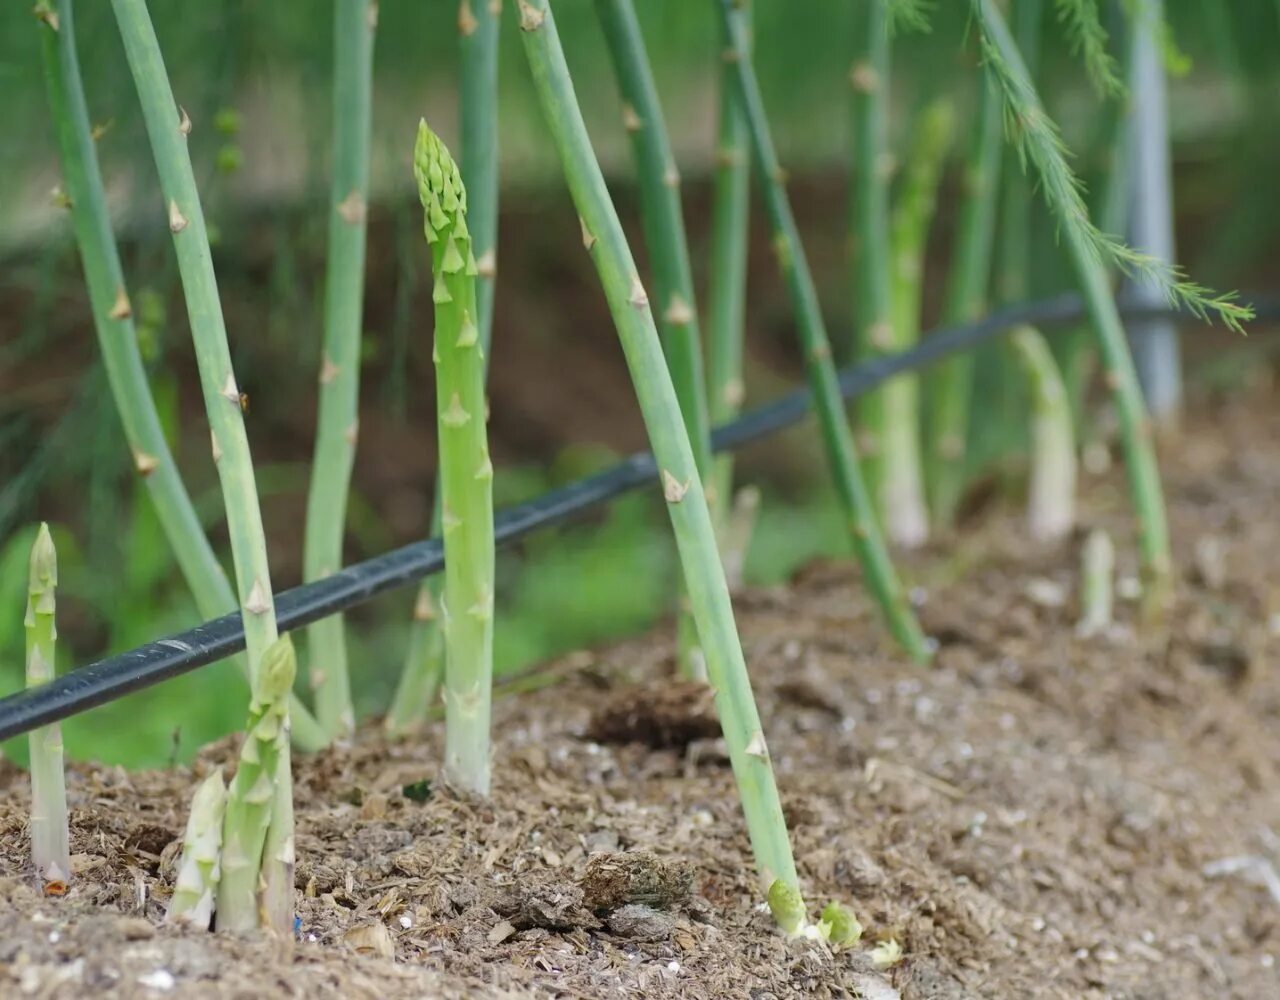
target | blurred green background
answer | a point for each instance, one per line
(255, 79)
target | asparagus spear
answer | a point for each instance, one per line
(466, 473)
(251, 797)
(118, 339)
(49, 837)
(1052, 493)
(841, 455)
(478, 22)
(167, 128)
(337, 421)
(200, 869)
(669, 250)
(681, 484)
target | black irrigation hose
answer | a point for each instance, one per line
(106, 680)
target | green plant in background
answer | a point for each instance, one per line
(252, 800)
(118, 339)
(167, 128)
(466, 472)
(478, 23)
(1090, 250)
(950, 387)
(869, 232)
(50, 851)
(337, 422)
(727, 283)
(663, 220)
(906, 517)
(195, 888)
(842, 458)
(681, 485)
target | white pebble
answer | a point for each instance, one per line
(161, 979)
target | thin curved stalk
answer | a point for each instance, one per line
(681, 484)
(118, 341)
(337, 421)
(837, 438)
(478, 24)
(167, 128)
(1005, 68)
(663, 221)
(1051, 494)
(951, 386)
(727, 284)
(906, 517)
(872, 281)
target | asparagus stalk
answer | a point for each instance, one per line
(1097, 566)
(466, 472)
(728, 279)
(951, 386)
(168, 127)
(906, 518)
(118, 340)
(1051, 495)
(664, 231)
(872, 280)
(478, 23)
(50, 852)
(200, 869)
(337, 421)
(660, 408)
(252, 797)
(841, 454)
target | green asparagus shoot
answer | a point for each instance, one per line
(842, 926)
(466, 472)
(199, 870)
(1051, 494)
(1097, 568)
(50, 851)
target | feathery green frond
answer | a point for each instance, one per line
(908, 15)
(1037, 139)
(1088, 38)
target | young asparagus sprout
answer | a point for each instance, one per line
(841, 925)
(1097, 567)
(196, 886)
(1052, 490)
(660, 408)
(788, 909)
(339, 360)
(886, 954)
(478, 24)
(50, 852)
(466, 473)
(842, 456)
(250, 799)
(906, 518)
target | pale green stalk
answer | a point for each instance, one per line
(251, 799)
(950, 387)
(1051, 493)
(869, 224)
(118, 340)
(1090, 251)
(478, 23)
(660, 408)
(1097, 567)
(842, 457)
(466, 472)
(167, 128)
(200, 868)
(663, 221)
(337, 422)
(727, 283)
(50, 851)
(906, 518)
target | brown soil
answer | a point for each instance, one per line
(1037, 815)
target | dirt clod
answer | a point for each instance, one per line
(612, 881)
(660, 715)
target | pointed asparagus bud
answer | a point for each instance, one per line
(200, 869)
(843, 928)
(50, 850)
(787, 906)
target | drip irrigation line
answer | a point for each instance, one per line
(111, 678)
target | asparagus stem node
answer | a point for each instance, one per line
(50, 837)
